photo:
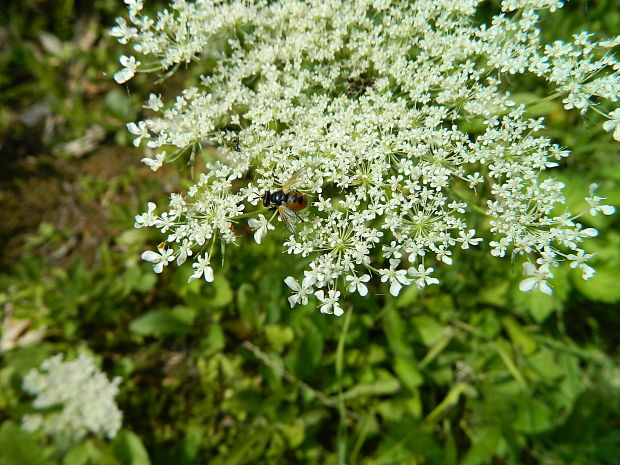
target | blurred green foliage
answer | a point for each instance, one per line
(471, 372)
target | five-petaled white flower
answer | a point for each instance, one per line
(329, 303)
(160, 259)
(260, 227)
(468, 238)
(123, 31)
(397, 278)
(155, 163)
(301, 292)
(578, 260)
(130, 66)
(613, 123)
(202, 269)
(141, 130)
(595, 203)
(357, 283)
(154, 102)
(422, 276)
(538, 279)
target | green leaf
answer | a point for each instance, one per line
(18, 447)
(505, 352)
(79, 455)
(519, 337)
(279, 336)
(533, 416)
(407, 372)
(486, 442)
(215, 338)
(442, 341)
(428, 327)
(544, 365)
(294, 433)
(158, 322)
(247, 304)
(129, 450)
(380, 387)
(603, 287)
(309, 352)
(223, 293)
(393, 327)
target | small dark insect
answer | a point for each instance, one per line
(234, 142)
(287, 202)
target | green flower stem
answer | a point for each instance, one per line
(469, 204)
(252, 213)
(342, 426)
(544, 99)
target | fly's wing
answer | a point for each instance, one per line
(293, 179)
(288, 217)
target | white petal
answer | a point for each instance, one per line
(151, 256)
(395, 288)
(590, 232)
(259, 234)
(528, 284)
(362, 289)
(292, 283)
(544, 287)
(529, 269)
(254, 223)
(123, 75)
(208, 274)
(587, 271)
(608, 209)
(609, 125)
(308, 282)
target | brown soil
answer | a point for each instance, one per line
(47, 189)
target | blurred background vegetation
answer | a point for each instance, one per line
(469, 372)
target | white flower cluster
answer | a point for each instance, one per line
(372, 100)
(84, 395)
